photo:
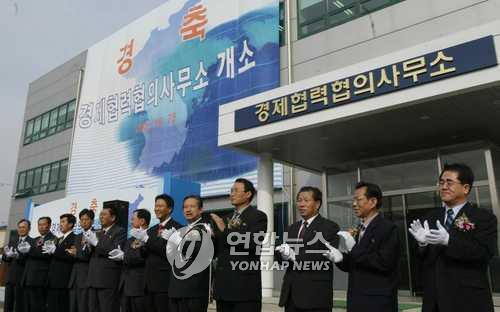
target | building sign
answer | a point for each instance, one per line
(151, 92)
(442, 64)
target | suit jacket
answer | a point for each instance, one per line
(195, 286)
(310, 281)
(61, 263)
(373, 267)
(157, 270)
(37, 264)
(79, 275)
(455, 277)
(134, 261)
(15, 265)
(104, 272)
(239, 285)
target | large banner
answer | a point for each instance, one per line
(138, 198)
(150, 95)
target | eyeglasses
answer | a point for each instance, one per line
(233, 190)
(448, 182)
(358, 199)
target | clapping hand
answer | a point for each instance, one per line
(287, 253)
(140, 234)
(116, 254)
(346, 242)
(419, 232)
(90, 237)
(333, 254)
(24, 247)
(439, 236)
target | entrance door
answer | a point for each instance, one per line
(402, 209)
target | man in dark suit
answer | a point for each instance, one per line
(456, 251)
(37, 267)
(190, 293)
(239, 287)
(308, 281)
(373, 262)
(104, 273)
(13, 289)
(82, 251)
(158, 269)
(133, 255)
(61, 266)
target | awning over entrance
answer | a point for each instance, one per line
(452, 110)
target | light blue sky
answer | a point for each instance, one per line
(35, 37)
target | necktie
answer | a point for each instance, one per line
(236, 215)
(449, 219)
(302, 231)
(362, 229)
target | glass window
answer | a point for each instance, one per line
(317, 15)
(28, 132)
(45, 178)
(53, 121)
(49, 123)
(61, 120)
(36, 128)
(282, 32)
(342, 184)
(29, 179)
(70, 114)
(45, 125)
(20, 181)
(341, 212)
(396, 176)
(37, 180)
(62, 174)
(54, 176)
(474, 159)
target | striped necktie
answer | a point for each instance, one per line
(449, 219)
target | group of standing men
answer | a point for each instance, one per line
(104, 271)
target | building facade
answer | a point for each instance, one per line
(399, 139)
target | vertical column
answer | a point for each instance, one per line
(265, 203)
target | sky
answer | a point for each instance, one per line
(37, 36)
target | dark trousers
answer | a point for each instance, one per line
(157, 302)
(133, 304)
(361, 303)
(82, 299)
(35, 299)
(14, 298)
(188, 304)
(104, 300)
(239, 306)
(291, 307)
(58, 300)
(73, 302)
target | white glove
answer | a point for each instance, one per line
(116, 254)
(49, 249)
(9, 252)
(346, 242)
(140, 234)
(419, 232)
(287, 253)
(333, 254)
(91, 237)
(173, 241)
(165, 234)
(439, 236)
(24, 247)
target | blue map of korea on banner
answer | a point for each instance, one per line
(151, 93)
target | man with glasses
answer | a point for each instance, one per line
(456, 243)
(238, 288)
